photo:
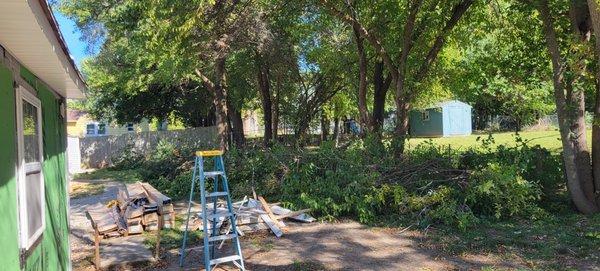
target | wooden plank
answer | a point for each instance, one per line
(160, 224)
(136, 190)
(291, 214)
(266, 207)
(101, 218)
(97, 247)
(272, 225)
(254, 227)
(156, 195)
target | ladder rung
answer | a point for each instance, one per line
(219, 215)
(222, 237)
(212, 174)
(217, 194)
(225, 259)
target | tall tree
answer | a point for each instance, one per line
(422, 39)
(570, 100)
(594, 9)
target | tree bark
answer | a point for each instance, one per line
(237, 125)
(569, 121)
(363, 111)
(264, 85)
(275, 108)
(220, 102)
(594, 10)
(381, 86)
(336, 131)
(324, 126)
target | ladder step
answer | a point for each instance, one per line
(225, 259)
(217, 194)
(222, 237)
(212, 174)
(219, 215)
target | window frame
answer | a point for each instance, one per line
(425, 115)
(96, 128)
(87, 130)
(23, 168)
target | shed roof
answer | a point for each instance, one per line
(29, 31)
(447, 103)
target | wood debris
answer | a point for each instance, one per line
(251, 215)
(139, 207)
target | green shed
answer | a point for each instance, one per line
(450, 118)
(37, 74)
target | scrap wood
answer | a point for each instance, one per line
(266, 207)
(291, 214)
(136, 190)
(272, 225)
(101, 218)
(155, 195)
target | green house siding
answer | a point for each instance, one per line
(9, 239)
(52, 252)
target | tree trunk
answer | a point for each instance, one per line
(275, 108)
(363, 111)
(594, 10)
(381, 87)
(569, 121)
(336, 131)
(221, 102)
(324, 126)
(264, 85)
(401, 132)
(237, 125)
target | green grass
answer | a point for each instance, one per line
(557, 242)
(125, 176)
(81, 190)
(546, 139)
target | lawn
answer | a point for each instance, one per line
(124, 176)
(546, 139)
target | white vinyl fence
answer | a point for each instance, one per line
(99, 151)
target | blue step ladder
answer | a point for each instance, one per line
(221, 190)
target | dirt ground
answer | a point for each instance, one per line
(342, 246)
(316, 246)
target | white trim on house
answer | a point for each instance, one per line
(23, 168)
(28, 34)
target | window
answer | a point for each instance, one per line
(130, 127)
(90, 129)
(101, 129)
(30, 176)
(425, 115)
(95, 129)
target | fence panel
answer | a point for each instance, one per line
(98, 152)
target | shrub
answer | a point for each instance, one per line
(129, 158)
(501, 192)
(429, 184)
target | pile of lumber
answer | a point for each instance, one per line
(139, 207)
(252, 215)
(106, 221)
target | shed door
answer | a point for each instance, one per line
(454, 120)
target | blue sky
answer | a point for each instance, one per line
(72, 37)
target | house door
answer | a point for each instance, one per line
(30, 180)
